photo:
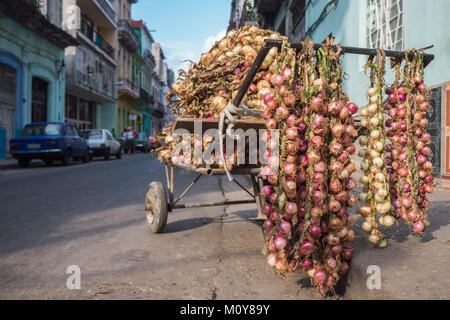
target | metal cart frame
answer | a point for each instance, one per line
(157, 204)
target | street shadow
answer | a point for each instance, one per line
(188, 224)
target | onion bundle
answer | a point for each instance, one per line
(411, 171)
(375, 179)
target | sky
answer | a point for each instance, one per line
(184, 28)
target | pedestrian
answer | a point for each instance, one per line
(113, 132)
(129, 136)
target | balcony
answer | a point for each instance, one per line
(127, 35)
(100, 11)
(106, 6)
(158, 110)
(128, 87)
(96, 38)
(145, 96)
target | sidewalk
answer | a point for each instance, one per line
(8, 164)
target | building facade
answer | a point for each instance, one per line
(91, 73)
(159, 87)
(148, 68)
(388, 24)
(128, 112)
(32, 64)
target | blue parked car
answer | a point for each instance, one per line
(49, 141)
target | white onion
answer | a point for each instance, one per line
(383, 208)
(363, 140)
(372, 108)
(378, 162)
(365, 180)
(374, 99)
(380, 177)
(388, 221)
(366, 226)
(374, 154)
(375, 134)
(362, 196)
(374, 122)
(378, 146)
(362, 153)
(382, 193)
(372, 91)
(364, 123)
(364, 112)
(364, 166)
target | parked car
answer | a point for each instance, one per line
(153, 142)
(49, 141)
(102, 144)
(142, 143)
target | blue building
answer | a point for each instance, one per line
(388, 24)
(32, 80)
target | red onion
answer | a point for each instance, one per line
(343, 269)
(287, 74)
(350, 184)
(315, 104)
(335, 186)
(268, 97)
(268, 224)
(335, 107)
(282, 112)
(291, 121)
(352, 108)
(334, 206)
(331, 263)
(418, 227)
(315, 231)
(307, 264)
(335, 249)
(320, 276)
(306, 247)
(271, 123)
(285, 226)
(317, 196)
(267, 209)
(289, 169)
(289, 100)
(290, 207)
(347, 253)
(277, 80)
(267, 190)
(291, 133)
(280, 242)
(336, 148)
(272, 105)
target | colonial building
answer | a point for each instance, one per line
(129, 112)
(387, 24)
(91, 73)
(159, 84)
(148, 70)
(32, 64)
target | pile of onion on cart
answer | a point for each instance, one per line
(309, 198)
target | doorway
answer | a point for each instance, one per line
(8, 81)
(39, 100)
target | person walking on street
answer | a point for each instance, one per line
(113, 132)
(128, 136)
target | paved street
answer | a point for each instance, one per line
(92, 215)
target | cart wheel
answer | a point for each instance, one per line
(156, 207)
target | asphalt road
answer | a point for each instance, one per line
(92, 215)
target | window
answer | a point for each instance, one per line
(385, 24)
(37, 130)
